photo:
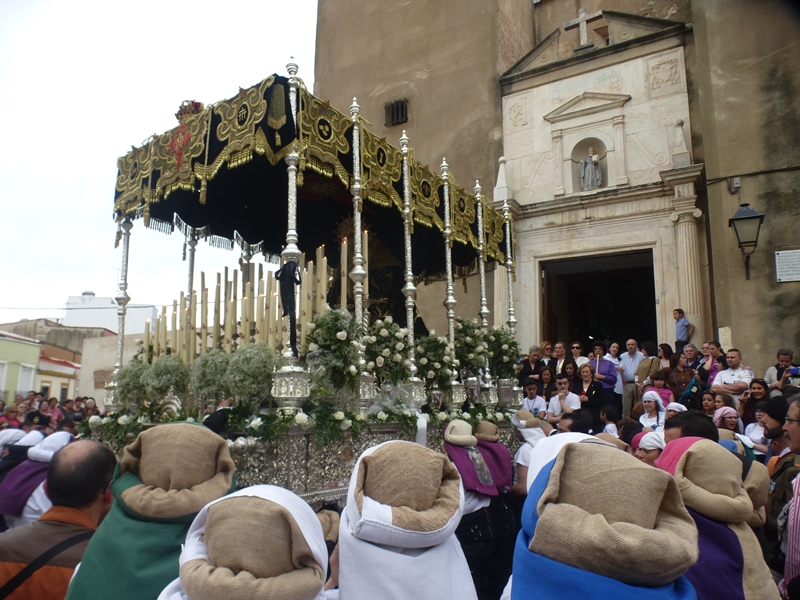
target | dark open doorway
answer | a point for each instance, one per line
(608, 297)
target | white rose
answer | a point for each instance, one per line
(479, 349)
(379, 361)
(465, 415)
(456, 363)
(124, 420)
(468, 340)
(346, 424)
(312, 326)
(431, 374)
(459, 326)
(441, 416)
(106, 420)
(399, 346)
(372, 339)
(386, 352)
(342, 335)
(190, 419)
(474, 320)
(448, 372)
(406, 413)
(406, 363)
(446, 359)
(255, 423)
(145, 420)
(382, 416)
(353, 370)
(378, 323)
(491, 338)
(470, 356)
(384, 332)
(423, 361)
(436, 365)
(95, 421)
(504, 346)
(361, 418)
(313, 347)
(442, 339)
(370, 366)
(301, 418)
(338, 415)
(389, 320)
(431, 332)
(399, 335)
(420, 350)
(505, 359)
(404, 331)
(397, 358)
(500, 416)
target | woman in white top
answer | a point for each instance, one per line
(613, 356)
(653, 416)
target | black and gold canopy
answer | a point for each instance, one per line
(220, 175)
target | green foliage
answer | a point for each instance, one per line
(386, 351)
(119, 429)
(330, 423)
(503, 353)
(433, 361)
(332, 350)
(130, 386)
(250, 371)
(470, 343)
(167, 372)
(208, 375)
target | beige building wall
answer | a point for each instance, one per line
(444, 56)
(99, 355)
(748, 75)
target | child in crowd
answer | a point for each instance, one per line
(533, 402)
(610, 417)
(659, 386)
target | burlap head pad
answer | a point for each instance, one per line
(421, 486)
(183, 467)
(710, 480)
(647, 540)
(487, 432)
(329, 520)
(256, 535)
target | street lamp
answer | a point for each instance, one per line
(746, 225)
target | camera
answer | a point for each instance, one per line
(794, 371)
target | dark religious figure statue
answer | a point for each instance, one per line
(288, 276)
(590, 172)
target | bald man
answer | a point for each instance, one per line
(630, 362)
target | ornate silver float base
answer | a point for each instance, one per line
(110, 398)
(291, 386)
(458, 395)
(505, 390)
(519, 397)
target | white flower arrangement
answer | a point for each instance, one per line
(250, 371)
(255, 423)
(382, 416)
(379, 361)
(313, 347)
(432, 357)
(95, 421)
(442, 416)
(331, 351)
(143, 420)
(390, 319)
(301, 419)
(384, 333)
(125, 420)
(208, 375)
(338, 415)
(423, 361)
(346, 424)
(353, 369)
(342, 335)
(384, 347)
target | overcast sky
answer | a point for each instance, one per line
(82, 81)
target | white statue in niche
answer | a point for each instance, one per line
(590, 171)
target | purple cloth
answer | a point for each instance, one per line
(608, 369)
(469, 477)
(718, 570)
(19, 484)
(500, 463)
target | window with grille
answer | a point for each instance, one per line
(396, 112)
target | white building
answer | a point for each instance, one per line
(87, 310)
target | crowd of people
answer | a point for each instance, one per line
(652, 472)
(62, 415)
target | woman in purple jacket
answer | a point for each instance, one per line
(605, 372)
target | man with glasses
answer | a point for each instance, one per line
(563, 402)
(630, 362)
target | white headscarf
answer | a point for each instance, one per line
(380, 560)
(547, 449)
(44, 450)
(31, 438)
(10, 436)
(676, 406)
(653, 440)
(302, 513)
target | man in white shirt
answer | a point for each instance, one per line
(630, 362)
(563, 402)
(735, 379)
(780, 375)
(536, 404)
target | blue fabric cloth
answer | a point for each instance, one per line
(538, 578)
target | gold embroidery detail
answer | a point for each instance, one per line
(425, 185)
(174, 152)
(322, 140)
(277, 108)
(239, 117)
(493, 226)
(382, 166)
(132, 170)
(462, 214)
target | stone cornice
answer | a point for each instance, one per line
(603, 197)
(514, 207)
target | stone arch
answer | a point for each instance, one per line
(580, 151)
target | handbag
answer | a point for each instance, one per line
(690, 393)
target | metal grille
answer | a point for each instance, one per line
(396, 112)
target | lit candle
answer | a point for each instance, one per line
(365, 253)
(343, 274)
(156, 336)
(175, 327)
(163, 329)
(191, 333)
(182, 327)
(204, 322)
(323, 277)
(147, 341)
(260, 311)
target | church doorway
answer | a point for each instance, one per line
(608, 297)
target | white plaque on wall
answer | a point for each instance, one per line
(787, 265)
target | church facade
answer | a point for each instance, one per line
(629, 132)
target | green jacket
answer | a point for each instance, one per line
(130, 557)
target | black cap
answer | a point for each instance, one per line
(762, 406)
(36, 418)
(776, 408)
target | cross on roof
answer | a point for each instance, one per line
(581, 22)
